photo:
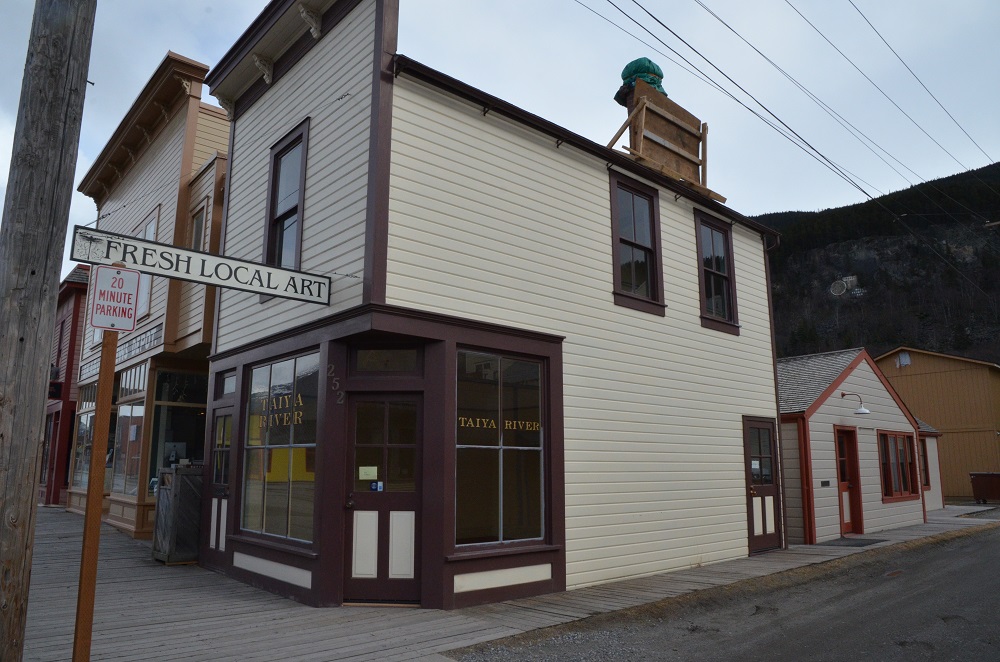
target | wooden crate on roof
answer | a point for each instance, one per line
(666, 137)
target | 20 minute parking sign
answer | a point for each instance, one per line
(115, 295)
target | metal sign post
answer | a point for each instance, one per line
(114, 294)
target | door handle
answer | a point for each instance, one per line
(350, 501)
(753, 492)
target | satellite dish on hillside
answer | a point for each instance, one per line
(838, 287)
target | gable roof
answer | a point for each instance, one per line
(803, 379)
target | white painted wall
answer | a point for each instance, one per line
(792, 482)
(149, 185)
(491, 221)
(333, 213)
(934, 497)
(885, 415)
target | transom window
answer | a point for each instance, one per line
(715, 273)
(499, 484)
(898, 461)
(638, 277)
(285, 197)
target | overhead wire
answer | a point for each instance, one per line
(791, 132)
(917, 78)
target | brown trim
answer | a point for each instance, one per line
(440, 336)
(494, 105)
(749, 422)
(298, 135)
(245, 46)
(182, 212)
(655, 303)
(380, 153)
(223, 226)
(709, 321)
(835, 385)
(938, 354)
(774, 370)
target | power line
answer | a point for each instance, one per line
(920, 81)
(905, 114)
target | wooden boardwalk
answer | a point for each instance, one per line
(145, 610)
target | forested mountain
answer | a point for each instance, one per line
(917, 267)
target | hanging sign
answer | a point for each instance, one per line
(156, 259)
(114, 296)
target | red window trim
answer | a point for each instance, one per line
(915, 461)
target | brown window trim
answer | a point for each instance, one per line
(494, 551)
(925, 469)
(298, 135)
(708, 321)
(895, 498)
(286, 547)
(655, 304)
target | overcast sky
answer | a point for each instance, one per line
(560, 60)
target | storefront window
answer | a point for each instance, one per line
(178, 421)
(279, 456)
(86, 402)
(127, 448)
(499, 463)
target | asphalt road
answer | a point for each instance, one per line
(935, 599)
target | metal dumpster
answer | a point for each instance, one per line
(985, 486)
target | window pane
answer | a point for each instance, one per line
(402, 423)
(766, 476)
(643, 222)
(142, 301)
(302, 497)
(260, 381)
(641, 264)
(253, 490)
(626, 222)
(477, 496)
(401, 474)
(387, 360)
(289, 171)
(197, 230)
(368, 467)
(370, 425)
(304, 399)
(625, 267)
(478, 399)
(276, 484)
(279, 405)
(522, 494)
(521, 401)
(287, 238)
(707, 260)
(719, 248)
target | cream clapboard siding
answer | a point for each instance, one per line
(191, 311)
(333, 231)
(491, 221)
(211, 135)
(792, 482)
(934, 497)
(150, 185)
(885, 415)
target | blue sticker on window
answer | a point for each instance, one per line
(376, 486)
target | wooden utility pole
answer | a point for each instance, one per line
(35, 216)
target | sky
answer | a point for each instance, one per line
(562, 60)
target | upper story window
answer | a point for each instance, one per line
(715, 273)
(147, 230)
(198, 229)
(285, 196)
(636, 232)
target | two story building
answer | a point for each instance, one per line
(160, 177)
(545, 363)
(60, 410)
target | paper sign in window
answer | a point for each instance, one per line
(367, 473)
